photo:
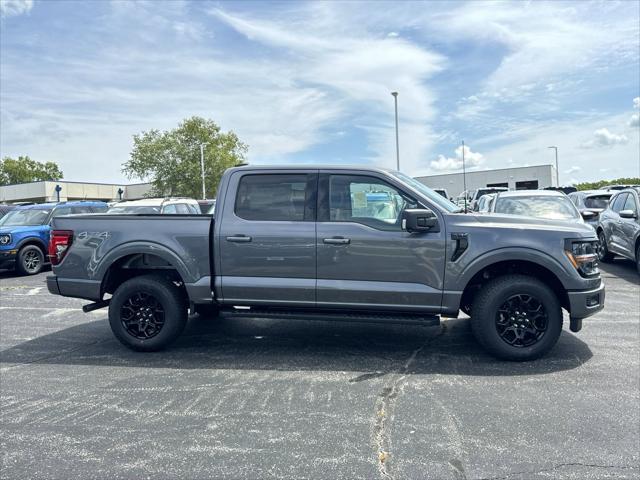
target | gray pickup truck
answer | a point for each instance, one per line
(332, 243)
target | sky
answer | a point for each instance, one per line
(311, 82)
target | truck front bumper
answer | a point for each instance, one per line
(584, 303)
(8, 258)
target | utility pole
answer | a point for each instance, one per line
(395, 99)
(202, 169)
(557, 170)
(464, 179)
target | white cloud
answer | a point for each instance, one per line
(636, 102)
(634, 121)
(392, 34)
(604, 138)
(471, 160)
(10, 8)
(572, 170)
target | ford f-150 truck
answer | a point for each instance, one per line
(333, 243)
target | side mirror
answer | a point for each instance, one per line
(419, 220)
(588, 214)
(627, 214)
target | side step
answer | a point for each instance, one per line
(332, 316)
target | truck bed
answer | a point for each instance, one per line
(100, 241)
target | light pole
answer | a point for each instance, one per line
(395, 100)
(202, 168)
(557, 171)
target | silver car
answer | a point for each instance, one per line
(545, 204)
(619, 227)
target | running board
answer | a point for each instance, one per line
(332, 316)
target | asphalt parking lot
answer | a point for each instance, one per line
(287, 399)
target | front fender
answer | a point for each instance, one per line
(567, 275)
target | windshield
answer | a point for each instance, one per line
(597, 202)
(132, 210)
(427, 192)
(554, 208)
(25, 217)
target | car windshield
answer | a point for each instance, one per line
(600, 201)
(134, 209)
(554, 208)
(32, 216)
(427, 192)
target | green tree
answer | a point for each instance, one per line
(171, 159)
(24, 170)
(604, 183)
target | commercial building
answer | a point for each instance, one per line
(63, 191)
(516, 178)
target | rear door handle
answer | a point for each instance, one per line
(337, 241)
(239, 239)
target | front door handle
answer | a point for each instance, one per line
(239, 239)
(337, 241)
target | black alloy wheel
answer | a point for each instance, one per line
(30, 260)
(142, 316)
(522, 320)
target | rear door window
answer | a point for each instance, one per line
(630, 204)
(170, 209)
(272, 197)
(618, 202)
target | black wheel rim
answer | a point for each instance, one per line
(522, 321)
(142, 316)
(602, 246)
(31, 261)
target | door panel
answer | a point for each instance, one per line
(381, 266)
(265, 258)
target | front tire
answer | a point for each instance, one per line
(148, 313)
(30, 260)
(516, 317)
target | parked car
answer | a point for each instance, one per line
(483, 205)
(619, 228)
(566, 189)
(475, 196)
(333, 243)
(619, 187)
(158, 206)
(590, 203)
(542, 204)
(4, 209)
(24, 233)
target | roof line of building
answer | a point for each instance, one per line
(489, 170)
(72, 181)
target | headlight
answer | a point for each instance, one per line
(583, 255)
(5, 239)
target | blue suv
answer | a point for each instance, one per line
(24, 233)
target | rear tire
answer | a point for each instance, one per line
(604, 255)
(148, 313)
(516, 317)
(30, 260)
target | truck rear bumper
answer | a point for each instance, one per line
(88, 289)
(584, 303)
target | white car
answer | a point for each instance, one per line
(165, 206)
(546, 204)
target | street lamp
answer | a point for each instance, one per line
(202, 168)
(395, 100)
(557, 171)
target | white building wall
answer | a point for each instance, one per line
(454, 183)
(46, 191)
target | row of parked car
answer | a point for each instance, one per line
(25, 228)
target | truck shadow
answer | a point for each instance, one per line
(366, 350)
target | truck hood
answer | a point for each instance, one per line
(516, 222)
(23, 228)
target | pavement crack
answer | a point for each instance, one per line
(559, 466)
(385, 405)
